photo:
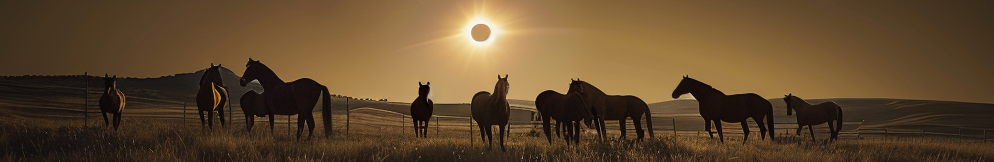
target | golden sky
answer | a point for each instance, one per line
(937, 50)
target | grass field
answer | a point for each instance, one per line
(30, 139)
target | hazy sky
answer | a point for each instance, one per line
(938, 50)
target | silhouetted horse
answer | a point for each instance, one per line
(489, 110)
(715, 105)
(568, 109)
(253, 106)
(212, 96)
(112, 101)
(614, 107)
(421, 110)
(290, 98)
(811, 115)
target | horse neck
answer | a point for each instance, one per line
(705, 92)
(269, 79)
(800, 104)
(593, 91)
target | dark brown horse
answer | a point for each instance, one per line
(253, 106)
(715, 105)
(212, 96)
(489, 110)
(112, 101)
(614, 107)
(565, 109)
(421, 110)
(290, 98)
(811, 115)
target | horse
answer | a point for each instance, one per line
(112, 101)
(421, 110)
(811, 115)
(253, 106)
(290, 98)
(211, 96)
(614, 107)
(715, 105)
(565, 109)
(568, 109)
(489, 110)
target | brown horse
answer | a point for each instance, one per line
(290, 98)
(212, 96)
(568, 109)
(614, 107)
(112, 101)
(489, 110)
(811, 115)
(715, 106)
(421, 110)
(253, 106)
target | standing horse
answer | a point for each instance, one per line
(112, 101)
(421, 110)
(715, 105)
(568, 109)
(811, 115)
(290, 98)
(614, 107)
(253, 106)
(489, 110)
(211, 96)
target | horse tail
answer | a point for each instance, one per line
(838, 122)
(326, 110)
(769, 120)
(648, 120)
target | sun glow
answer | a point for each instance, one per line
(492, 37)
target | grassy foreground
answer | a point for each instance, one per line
(149, 140)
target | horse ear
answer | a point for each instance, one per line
(212, 64)
(115, 77)
(419, 83)
(250, 59)
(219, 65)
(429, 83)
(105, 75)
(498, 76)
(505, 76)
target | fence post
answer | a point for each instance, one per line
(674, 126)
(985, 136)
(184, 113)
(885, 133)
(348, 116)
(230, 117)
(288, 125)
(436, 126)
(471, 131)
(86, 100)
(402, 125)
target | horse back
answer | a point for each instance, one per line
(548, 100)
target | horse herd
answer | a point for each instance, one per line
(582, 102)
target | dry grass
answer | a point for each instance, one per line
(144, 139)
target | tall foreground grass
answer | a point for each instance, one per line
(150, 140)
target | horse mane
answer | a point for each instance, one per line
(590, 89)
(266, 73)
(705, 86)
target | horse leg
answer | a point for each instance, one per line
(567, 130)
(812, 130)
(300, 125)
(203, 121)
(106, 122)
(249, 122)
(638, 128)
(624, 130)
(220, 114)
(602, 130)
(558, 125)
(707, 127)
(272, 123)
(502, 138)
(210, 119)
(490, 137)
(762, 128)
(576, 132)
(310, 126)
(717, 126)
(426, 128)
(745, 131)
(831, 129)
(117, 120)
(415, 124)
(799, 128)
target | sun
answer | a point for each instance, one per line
(480, 31)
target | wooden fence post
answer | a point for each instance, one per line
(674, 126)
(184, 113)
(885, 133)
(985, 136)
(470, 130)
(348, 116)
(436, 126)
(86, 100)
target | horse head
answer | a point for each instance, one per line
(255, 70)
(683, 87)
(502, 86)
(110, 82)
(212, 75)
(787, 99)
(580, 97)
(423, 89)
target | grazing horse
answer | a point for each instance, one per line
(112, 101)
(715, 105)
(212, 96)
(614, 107)
(421, 110)
(489, 110)
(253, 106)
(290, 98)
(811, 115)
(568, 109)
